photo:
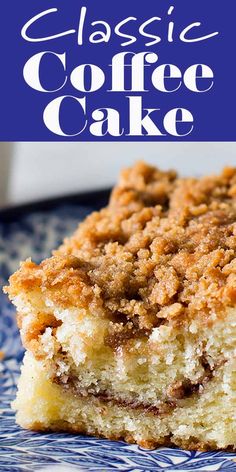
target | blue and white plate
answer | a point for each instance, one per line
(35, 233)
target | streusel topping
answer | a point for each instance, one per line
(164, 249)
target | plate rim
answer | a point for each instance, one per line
(95, 198)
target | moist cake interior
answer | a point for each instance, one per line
(130, 327)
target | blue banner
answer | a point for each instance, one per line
(118, 71)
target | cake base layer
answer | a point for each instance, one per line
(204, 421)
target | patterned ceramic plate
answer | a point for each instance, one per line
(34, 231)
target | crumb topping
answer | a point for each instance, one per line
(162, 251)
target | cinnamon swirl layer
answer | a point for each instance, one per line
(201, 421)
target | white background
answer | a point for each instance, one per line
(32, 171)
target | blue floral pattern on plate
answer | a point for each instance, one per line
(35, 235)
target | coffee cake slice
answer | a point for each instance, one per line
(130, 327)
